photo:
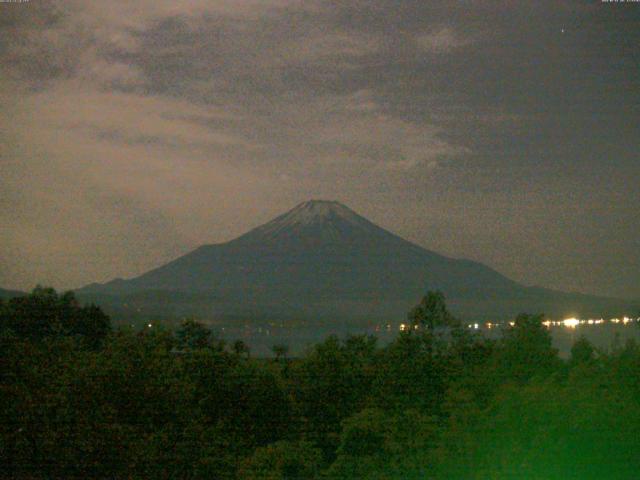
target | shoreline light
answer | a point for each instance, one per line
(571, 322)
(548, 323)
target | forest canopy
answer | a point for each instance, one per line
(80, 399)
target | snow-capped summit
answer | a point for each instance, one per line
(315, 220)
(315, 210)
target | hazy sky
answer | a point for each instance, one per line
(501, 131)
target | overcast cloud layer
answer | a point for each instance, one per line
(505, 132)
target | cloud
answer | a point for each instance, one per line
(328, 47)
(111, 75)
(47, 40)
(144, 121)
(138, 130)
(382, 142)
(441, 40)
(91, 177)
(130, 118)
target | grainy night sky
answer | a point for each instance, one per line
(505, 132)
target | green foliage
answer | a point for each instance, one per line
(550, 430)
(255, 404)
(526, 351)
(331, 383)
(409, 374)
(282, 460)
(377, 444)
(79, 401)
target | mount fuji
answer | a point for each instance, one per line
(322, 261)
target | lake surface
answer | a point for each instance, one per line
(605, 336)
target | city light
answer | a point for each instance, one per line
(571, 322)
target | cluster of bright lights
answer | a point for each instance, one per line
(571, 323)
(574, 322)
(566, 323)
(404, 327)
(624, 320)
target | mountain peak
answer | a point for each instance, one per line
(320, 219)
(313, 210)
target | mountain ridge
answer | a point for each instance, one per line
(6, 294)
(322, 259)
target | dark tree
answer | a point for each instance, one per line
(526, 350)
(43, 313)
(280, 351)
(240, 348)
(582, 352)
(431, 312)
(193, 335)
(283, 461)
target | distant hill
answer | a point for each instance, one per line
(6, 294)
(321, 261)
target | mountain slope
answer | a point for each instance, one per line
(322, 260)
